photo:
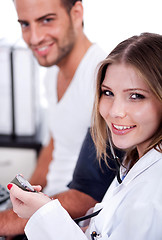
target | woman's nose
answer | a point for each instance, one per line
(118, 109)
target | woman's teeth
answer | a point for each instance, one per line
(122, 127)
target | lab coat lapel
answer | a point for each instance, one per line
(109, 208)
(119, 192)
(141, 165)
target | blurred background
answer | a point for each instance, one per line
(22, 101)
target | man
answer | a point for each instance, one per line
(53, 30)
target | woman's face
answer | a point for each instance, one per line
(130, 109)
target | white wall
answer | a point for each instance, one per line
(107, 22)
(10, 30)
(110, 21)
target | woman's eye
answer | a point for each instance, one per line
(137, 96)
(107, 93)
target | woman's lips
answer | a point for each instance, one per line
(122, 129)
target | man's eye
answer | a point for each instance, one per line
(47, 20)
(137, 96)
(24, 24)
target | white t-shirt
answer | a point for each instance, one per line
(70, 118)
(131, 210)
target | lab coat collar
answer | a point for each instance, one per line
(117, 193)
(141, 165)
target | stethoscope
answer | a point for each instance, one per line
(116, 159)
(117, 164)
(94, 234)
(77, 220)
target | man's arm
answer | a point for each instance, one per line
(11, 224)
(75, 202)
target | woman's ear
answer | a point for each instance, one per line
(77, 14)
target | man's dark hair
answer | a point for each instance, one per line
(68, 4)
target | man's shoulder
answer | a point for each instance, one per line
(96, 52)
(91, 60)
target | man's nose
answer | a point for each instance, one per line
(36, 35)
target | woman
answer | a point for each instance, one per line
(128, 112)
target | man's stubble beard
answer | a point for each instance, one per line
(63, 50)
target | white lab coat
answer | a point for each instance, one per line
(131, 210)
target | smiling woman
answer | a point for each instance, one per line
(125, 101)
(128, 87)
(127, 91)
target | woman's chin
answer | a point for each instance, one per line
(122, 146)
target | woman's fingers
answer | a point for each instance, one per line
(26, 203)
(17, 192)
(37, 188)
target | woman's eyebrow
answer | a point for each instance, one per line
(104, 86)
(136, 89)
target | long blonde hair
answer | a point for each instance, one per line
(144, 54)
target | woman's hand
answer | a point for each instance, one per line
(25, 204)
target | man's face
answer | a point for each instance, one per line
(47, 29)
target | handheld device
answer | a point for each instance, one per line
(21, 182)
(4, 194)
